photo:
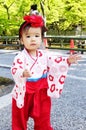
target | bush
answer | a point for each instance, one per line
(5, 81)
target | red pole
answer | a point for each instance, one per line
(45, 42)
(71, 46)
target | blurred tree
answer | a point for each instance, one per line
(60, 15)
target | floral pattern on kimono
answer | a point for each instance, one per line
(58, 68)
(55, 67)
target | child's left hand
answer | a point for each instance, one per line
(74, 58)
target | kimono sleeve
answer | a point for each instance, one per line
(57, 72)
(17, 69)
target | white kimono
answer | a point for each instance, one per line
(45, 64)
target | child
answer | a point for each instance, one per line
(37, 75)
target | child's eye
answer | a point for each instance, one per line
(28, 36)
(36, 35)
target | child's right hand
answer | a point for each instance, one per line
(26, 73)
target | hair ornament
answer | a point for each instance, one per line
(34, 20)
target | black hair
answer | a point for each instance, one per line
(34, 7)
(26, 25)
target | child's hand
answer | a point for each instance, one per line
(74, 59)
(26, 73)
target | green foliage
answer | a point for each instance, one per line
(61, 15)
(5, 81)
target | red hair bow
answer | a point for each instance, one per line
(34, 20)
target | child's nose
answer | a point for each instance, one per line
(33, 38)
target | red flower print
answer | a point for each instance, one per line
(64, 59)
(51, 77)
(57, 89)
(48, 68)
(45, 71)
(16, 95)
(21, 67)
(40, 54)
(20, 93)
(62, 78)
(19, 61)
(60, 91)
(13, 63)
(62, 68)
(14, 70)
(16, 86)
(52, 89)
(23, 87)
(58, 60)
(50, 58)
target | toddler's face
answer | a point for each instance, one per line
(32, 38)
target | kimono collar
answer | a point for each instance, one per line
(32, 57)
